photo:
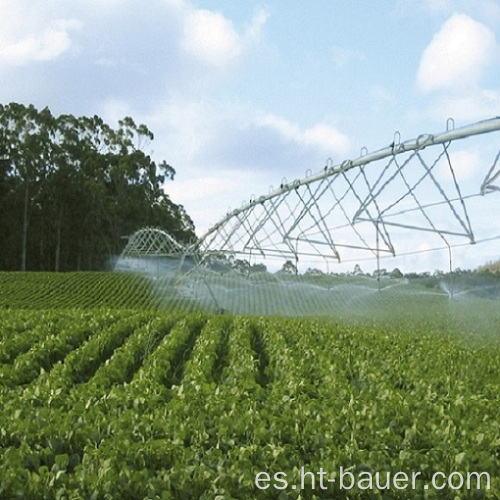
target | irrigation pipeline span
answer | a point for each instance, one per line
(421, 142)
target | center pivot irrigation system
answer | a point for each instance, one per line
(369, 204)
(367, 207)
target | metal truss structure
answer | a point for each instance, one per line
(369, 204)
(152, 242)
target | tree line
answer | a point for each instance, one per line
(72, 187)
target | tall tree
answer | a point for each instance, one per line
(75, 186)
(25, 134)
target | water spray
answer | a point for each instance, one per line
(361, 209)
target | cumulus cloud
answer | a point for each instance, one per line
(233, 136)
(458, 55)
(324, 137)
(165, 66)
(212, 38)
(46, 45)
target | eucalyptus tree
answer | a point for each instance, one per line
(26, 138)
(72, 187)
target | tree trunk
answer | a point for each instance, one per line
(25, 228)
(79, 257)
(58, 242)
(41, 258)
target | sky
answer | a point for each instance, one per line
(240, 95)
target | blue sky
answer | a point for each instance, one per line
(242, 94)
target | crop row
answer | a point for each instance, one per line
(152, 405)
(84, 290)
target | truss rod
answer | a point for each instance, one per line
(427, 229)
(342, 245)
(421, 142)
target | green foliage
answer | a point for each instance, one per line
(72, 187)
(86, 290)
(111, 396)
(155, 405)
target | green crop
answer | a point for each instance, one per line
(115, 404)
(86, 290)
(129, 400)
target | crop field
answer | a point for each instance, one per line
(108, 392)
(31, 290)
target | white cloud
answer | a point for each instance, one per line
(25, 40)
(216, 134)
(457, 56)
(210, 37)
(325, 138)
(188, 127)
(225, 152)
